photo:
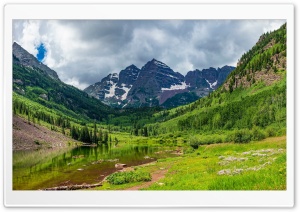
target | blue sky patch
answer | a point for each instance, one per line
(41, 52)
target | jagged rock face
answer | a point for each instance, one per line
(154, 84)
(22, 57)
(105, 88)
(128, 76)
(207, 79)
(223, 73)
(114, 88)
(196, 80)
(155, 78)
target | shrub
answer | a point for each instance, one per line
(189, 150)
(271, 131)
(194, 142)
(242, 136)
(257, 134)
(160, 141)
(119, 178)
(229, 137)
(170, 135)
(212, 139)
(281, 132)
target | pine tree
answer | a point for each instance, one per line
(136, 131)
(14, 110)
(95, 134)
(84, 135)
(100, 135)
(105, 136)
(145, 132)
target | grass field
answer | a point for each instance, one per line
(257, 165)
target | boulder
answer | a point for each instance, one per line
(120, 165)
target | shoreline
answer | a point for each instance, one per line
(87, 186)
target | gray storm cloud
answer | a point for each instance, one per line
(82, 52)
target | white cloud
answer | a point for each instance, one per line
(76, 83)
(30, 36)
(83, 52)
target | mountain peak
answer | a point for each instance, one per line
(132, 66)
(159, 63)
(23, 57)
(153, 84)
(15, 44)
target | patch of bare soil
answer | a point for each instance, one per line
(27, 136)
(156, 176)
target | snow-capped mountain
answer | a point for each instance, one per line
(114, 88)
(154, 83)
(153, 79)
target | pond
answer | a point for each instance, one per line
(40, 169)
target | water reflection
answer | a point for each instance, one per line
(37, 170)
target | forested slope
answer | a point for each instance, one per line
(253, 98)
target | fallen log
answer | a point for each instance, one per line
(72, 187)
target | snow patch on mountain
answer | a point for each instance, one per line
(115, 75)
(126, 104)
(160, 64)
(181, 86)
(124, 96)
(211, 85)
(111, 90)
(168, 75)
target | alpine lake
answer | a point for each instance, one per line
(48, 168)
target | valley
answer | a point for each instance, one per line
(153, 128)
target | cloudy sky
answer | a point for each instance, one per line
(83, 52)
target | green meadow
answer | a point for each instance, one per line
(257, 165)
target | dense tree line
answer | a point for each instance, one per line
(261, 110)
(20, 107)
(87, 135)
(77, 132)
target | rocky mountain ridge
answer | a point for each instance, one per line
(22, 57)
(154, 83)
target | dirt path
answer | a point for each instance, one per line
(156, 176)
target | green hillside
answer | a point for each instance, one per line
(250, 105)
(35, 85)
(180, 99)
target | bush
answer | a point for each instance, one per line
(271, 131)
(242, 136)
(189, 150)
(257, 134)
(281, 132)
(229, 137)
(212, 139)
(194, 142)
(119, 178)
